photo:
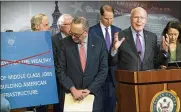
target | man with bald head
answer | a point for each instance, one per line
(135, 48)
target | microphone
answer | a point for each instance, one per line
(175, 63)
(138, 61)
(139, 52)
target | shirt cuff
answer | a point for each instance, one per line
(113, 53)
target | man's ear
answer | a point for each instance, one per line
(37, 27)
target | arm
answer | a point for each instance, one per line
(113, 57)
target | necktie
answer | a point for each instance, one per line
(107, 37)
(82, 56)
(138, 46)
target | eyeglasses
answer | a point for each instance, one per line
(76, 35)
(139, 17)
(66, 24)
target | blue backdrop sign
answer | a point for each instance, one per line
(27, 69)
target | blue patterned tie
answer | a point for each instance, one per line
(108, 43)
(138, 46)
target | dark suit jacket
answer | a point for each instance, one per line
(96, 29)
(56, 48)
(127, 56)
(70, 71)
(56, 44)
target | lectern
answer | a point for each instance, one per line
(145, 91)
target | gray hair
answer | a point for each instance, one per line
(62, 18)
(81, 20)
(136, 9)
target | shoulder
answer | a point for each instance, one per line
(125, 32)
(115, 28)
(179, 45)
(95, 38)
(94, 26)
(149, 33)
(54, 37)
(66, 41)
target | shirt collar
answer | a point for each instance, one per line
(63, 35)
(134, 32)
(102, 26)
(86, 39)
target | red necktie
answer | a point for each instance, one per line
(82, 56)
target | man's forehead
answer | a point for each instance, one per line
(77, 27)
(67, 21)
(139, 11)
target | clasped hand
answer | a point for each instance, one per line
(79, 94)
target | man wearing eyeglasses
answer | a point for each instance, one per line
(83, 63)
(136, 48)
(63, 24)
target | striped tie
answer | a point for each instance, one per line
(138, 46)
(82, 56)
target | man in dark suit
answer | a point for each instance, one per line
(63, 24)
(102, 29)
(136, 48)
(83, 63)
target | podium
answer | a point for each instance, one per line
(136, 89)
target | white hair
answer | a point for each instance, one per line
(62, 18)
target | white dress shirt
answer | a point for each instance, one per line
(104, 31)
(141, 37)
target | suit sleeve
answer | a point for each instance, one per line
(102, 72)
(156, 53)
(64, 79)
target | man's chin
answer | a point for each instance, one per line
(76, 41)
(139, 29)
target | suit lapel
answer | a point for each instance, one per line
(100, 33)
(75, 52)
(147, 46)
(90, 47)
(59, 36)
(131, 42)
(112, 33)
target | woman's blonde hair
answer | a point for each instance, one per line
(36, 20)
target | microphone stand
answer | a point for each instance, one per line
(176, 63)
(138, 62)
